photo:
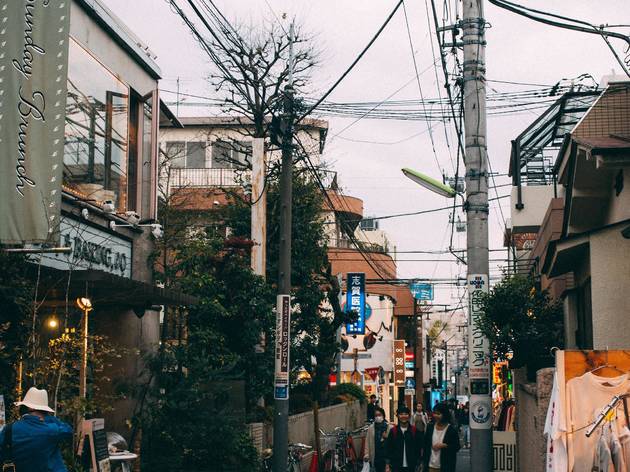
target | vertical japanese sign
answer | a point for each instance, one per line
(355, 301)
(479, 357)
(283, 326)
(33, 76)
(399, 362)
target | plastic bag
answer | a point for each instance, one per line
(366, 467)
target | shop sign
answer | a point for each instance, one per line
(92, 248)
(33, 76)
(421, 290)
(355, 301)
(479, 360)
(399, 362)
(283, 324)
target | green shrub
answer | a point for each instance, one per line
(347, 391)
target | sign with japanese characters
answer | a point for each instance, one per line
(33, 76)
(479, 356)
(355, 301)
(283, 326)
(399, 362)
(421, 290)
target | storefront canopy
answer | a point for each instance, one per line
(105, 289)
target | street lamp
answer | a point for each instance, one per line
(52, 322)
(430, 183)
(85, 305)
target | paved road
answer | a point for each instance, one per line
(463, 460)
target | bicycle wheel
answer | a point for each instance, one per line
(293, 466)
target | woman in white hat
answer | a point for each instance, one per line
(32, 443)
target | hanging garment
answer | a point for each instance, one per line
(556, 457)
(624, 440)
(616, 452)
(585, 397)
(602, 458)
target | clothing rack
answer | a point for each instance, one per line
(607, 409)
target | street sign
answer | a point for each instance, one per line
(421, 290)
(355, 301)
(410, 392)
(372, 372)
(283, 324)
(479, 357)
(399, 362)
(410, 383)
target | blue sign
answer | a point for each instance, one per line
(355, 301)
(281, 392)
(422, 291)
(410, 383)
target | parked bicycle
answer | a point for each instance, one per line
(296, 452)
(339, 453)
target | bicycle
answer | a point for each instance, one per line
(341, 457)
(296, 452)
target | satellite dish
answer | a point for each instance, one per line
(430, 183)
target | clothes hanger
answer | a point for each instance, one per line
(606, 365)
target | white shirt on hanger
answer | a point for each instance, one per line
(555, 430)
(586, 396)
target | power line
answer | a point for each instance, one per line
(354, 63)
(415, 66)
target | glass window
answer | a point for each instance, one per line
(195, 155)
(174, 153)
(147, 154)
(231, 154)
(96, 131)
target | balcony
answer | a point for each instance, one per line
(207, 177)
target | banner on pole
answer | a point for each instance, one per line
(479, 357)
(33, 76)
(355, 301)
(283, 327)
(399, 362)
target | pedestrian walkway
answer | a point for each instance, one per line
(463, 460)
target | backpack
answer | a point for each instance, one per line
(7, 449)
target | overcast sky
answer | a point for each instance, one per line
(518, 50)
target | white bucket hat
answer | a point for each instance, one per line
(36, 399)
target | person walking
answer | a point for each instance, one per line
(441, 442)
(375, 441)
(33, 442)
(403, 444)
(464, 421)
(371, 407)
(420, 419)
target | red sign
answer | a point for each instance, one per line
(409, 355)
(372, 372)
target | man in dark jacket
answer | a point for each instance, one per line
(403, 445)
(35, 438)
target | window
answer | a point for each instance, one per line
(231, 154)
(190, 155)
(96, 130)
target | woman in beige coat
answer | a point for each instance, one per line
(375, 441)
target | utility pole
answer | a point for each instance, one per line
(476, 206)
(283, 314)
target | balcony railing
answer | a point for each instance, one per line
(187, 177)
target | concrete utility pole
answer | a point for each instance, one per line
(283, 314)
(476, 206)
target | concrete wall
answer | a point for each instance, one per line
(610, 286)
(536, 200)
(346, 415)
(532, 401)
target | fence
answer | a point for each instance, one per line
(207, 177)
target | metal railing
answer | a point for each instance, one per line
(208, 177)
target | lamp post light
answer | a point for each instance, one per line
(430, 183)
(85, 305)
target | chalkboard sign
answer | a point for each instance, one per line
(93, 445)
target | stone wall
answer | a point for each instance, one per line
(532, 401)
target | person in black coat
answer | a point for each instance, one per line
(441, 442)
(403, 445)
